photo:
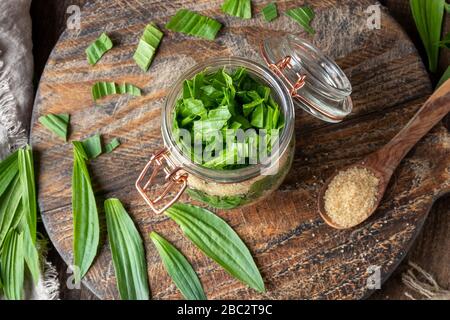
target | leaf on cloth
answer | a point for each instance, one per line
(56, 123)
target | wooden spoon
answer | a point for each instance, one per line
(384, 161)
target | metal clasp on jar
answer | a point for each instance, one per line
(173, 176)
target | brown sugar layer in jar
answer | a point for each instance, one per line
(351, 196)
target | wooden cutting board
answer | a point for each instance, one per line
(298, 254)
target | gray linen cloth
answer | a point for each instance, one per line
(16, 105)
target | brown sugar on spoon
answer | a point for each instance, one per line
(351, 196)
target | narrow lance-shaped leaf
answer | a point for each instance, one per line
(112, 145)
(8, 170)
(30, 251)
(218, 241)
(10, 208)
(26, 171)
(428, 16)
(85, 216)
(194, 24)
(98, 48)
(12, 268)
(147, 46)
(179, 269)
(303, 16)
(56, 123)
(270, 12)
(238, 8)
(127, 252)
(103, 88)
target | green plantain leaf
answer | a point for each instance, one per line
(12, 268)
(270, 12)
(30, 251)
(92, 146)
(85, 217)
(218, 241)
(194, 24)
(10, 208)
(303, 16)
(104, 88)
(98, 48)
(26, 173)
(444, 77)
(179, 269)
(127, 252)
(8, 170)
(148, 44)
(238, 8)
(112, 145)
(428, 16)
(56, 123)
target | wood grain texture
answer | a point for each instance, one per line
(300, 257)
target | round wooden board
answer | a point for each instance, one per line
(299, 256)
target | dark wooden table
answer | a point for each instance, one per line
(430, 249)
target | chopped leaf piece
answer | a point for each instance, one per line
(98, 48)
(303, 16)
(112, 145)
(238, 8)
(127, 252)
(103, 89)
(428, 16)
(194, 24)
(12, 268)
(92, 146)
(179, 269)
(56, 123)
(148, 44)
(218, 241)
(86, 229)
(270, 12)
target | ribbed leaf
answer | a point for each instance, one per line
(238, 8)
(8, 170)
(444, 77)
(98, 48)
(12, 268)
(148, 44)
(10, 208)
(110, 147)
(30, 251)
(218, 241)
(92, 146)
(85, 217)
(26, 173)
(194, 24)
(303, 16)
(127, 252)
(428, 16)
(179, 269)
(56, 123)
(103, 88)
(270, 12)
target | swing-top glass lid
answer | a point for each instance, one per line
(317, 84)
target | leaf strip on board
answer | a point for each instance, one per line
(56, 123)
(238, 8)
(303, 16)
(270, 12)
(194, 24)
(148, 44)
(98, 48)
(104, 88)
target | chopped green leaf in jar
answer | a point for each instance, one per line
(214, 106)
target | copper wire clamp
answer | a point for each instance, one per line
(172, 175)
(285, 63)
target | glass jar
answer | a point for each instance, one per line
(227, 189)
